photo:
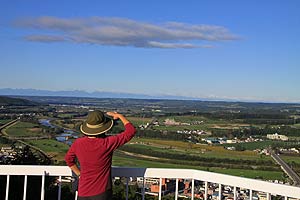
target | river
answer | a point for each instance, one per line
(63, 137)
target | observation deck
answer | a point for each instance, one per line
(199, 182)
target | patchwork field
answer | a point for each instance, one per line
(24, 129)
(176, 154)
(130, 161)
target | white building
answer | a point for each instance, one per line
(277, 137)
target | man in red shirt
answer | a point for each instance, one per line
(94, 152)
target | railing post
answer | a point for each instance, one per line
(193, 186)
(25, 187)
(42, 187)
(59, 188)
(160, 185)
(143, 191)
(250, 194)
(220, 191)
(205, 192)
(76, 195)
(268, 196)
(7, 187)
(285, 198)
(176, 189)
(127, 188)
(234, 193)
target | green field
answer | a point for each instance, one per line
(122, 158)
(119, 160)
(296, 126)
(4, 121)
(210, 151)
(291, 159)
(24, 129)
(55, 149)
(66, 115)
(70, 125)
(255, 145)
(294, 138)
(202, 151)
(203, 123)
(136, 121)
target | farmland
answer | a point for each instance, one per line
(172, 134)
(137, 160)
(24, 129)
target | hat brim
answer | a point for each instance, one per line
(97, 131)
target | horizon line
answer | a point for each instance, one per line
(147, 96)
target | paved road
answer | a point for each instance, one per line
(293, 175)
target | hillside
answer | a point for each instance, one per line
(9, 101)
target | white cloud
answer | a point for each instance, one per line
(124, 32)
(45, 38)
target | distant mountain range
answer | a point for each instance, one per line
(99, 94)
(80, 93)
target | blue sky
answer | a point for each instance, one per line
(246, 50)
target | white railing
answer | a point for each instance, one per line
(270, 189)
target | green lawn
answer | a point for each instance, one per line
(24, 129)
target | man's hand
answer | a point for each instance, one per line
(114, 115)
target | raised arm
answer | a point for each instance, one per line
(116, 116)
(122, 138)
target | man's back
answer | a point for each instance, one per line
(95, 158)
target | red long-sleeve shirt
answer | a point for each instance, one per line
(95, 158)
